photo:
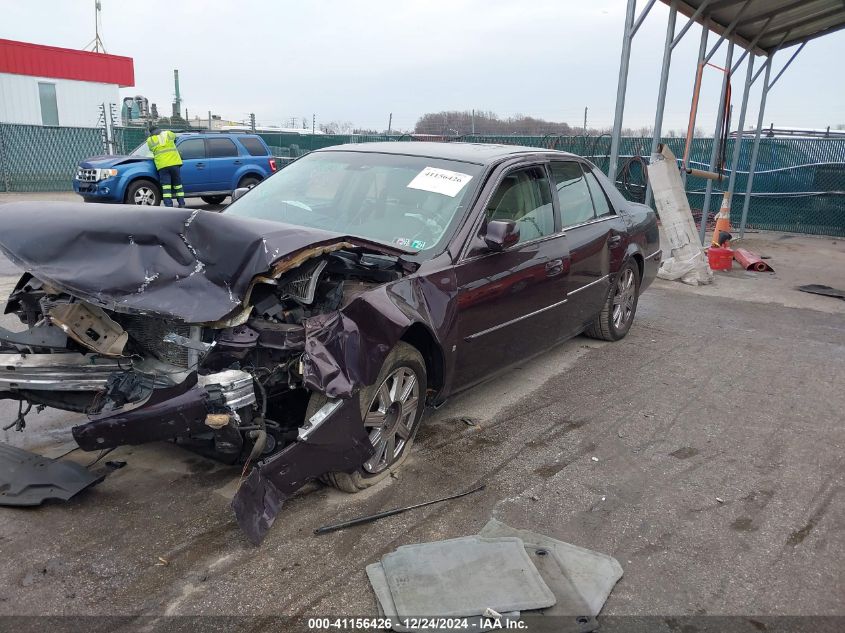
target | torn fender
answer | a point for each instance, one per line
(339, 443)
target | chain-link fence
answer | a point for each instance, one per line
(36, 158)
(799, 183)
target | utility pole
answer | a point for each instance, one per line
(473, 122)
(390, 124)
(209, 119)
(585, 120)
(313, 123)
(252, 121)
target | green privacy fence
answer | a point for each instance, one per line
(799, 183)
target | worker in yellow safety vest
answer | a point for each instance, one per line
(169, 165)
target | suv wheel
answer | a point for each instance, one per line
(248, 182)
(143, 192)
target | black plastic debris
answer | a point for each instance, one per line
(27, 479)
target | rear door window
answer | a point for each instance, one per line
(600, 201)
(253, 146)
(192, 148)
(576, 204)
(221, 148)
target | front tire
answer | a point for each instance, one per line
(391, 410)
(617, 314)
(144, 193)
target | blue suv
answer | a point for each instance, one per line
(213, 166)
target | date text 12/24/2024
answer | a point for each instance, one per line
(480, 623)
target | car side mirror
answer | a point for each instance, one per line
(501, 234)
(239, 192)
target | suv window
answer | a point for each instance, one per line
(600, 201)
(220, 147)
(524, 196)
(253, 146)
(576, 204)
(192, 148)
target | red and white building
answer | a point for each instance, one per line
(46, 85)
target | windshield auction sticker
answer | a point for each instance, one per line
(444, 181)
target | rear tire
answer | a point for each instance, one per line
(213, 199)
(248, 182)
(143, 193)
(400, 417)
(617, 314)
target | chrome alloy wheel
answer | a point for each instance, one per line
(144, 196)
(624, 299)
(390, 418)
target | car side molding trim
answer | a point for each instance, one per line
(472, 337)
(592, 283)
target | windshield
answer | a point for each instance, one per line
(409, 202)
(142, 151)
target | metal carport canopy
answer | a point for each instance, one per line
(760, 27)
(798, 20)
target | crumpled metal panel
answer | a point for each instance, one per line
(189, 264)
(338, 444)
(27, 479)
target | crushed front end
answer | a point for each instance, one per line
(236, 389)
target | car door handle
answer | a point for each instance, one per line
(200, 165)
(614, 240)
(554, 267)
(238, 162)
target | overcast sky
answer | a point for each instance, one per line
(358, 61)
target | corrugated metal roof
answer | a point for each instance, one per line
(792, 21)
(23, 58)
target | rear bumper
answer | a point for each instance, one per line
(650, 266)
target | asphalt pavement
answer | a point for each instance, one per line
(704, 452)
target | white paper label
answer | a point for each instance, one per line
(444, 181)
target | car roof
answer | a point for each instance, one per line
(219, 134)
(478, 153)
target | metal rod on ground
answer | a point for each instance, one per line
(714, 152)
(693, 113)
(622, 86)
(664, 82)
(390, 513)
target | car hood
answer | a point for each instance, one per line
(188, 264)
(104, 162)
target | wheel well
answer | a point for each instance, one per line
(138, 178)
(637, 257)
(251, 174)
(421, 338)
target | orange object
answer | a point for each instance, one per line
(720, 258)
(752, 261)
(723, 222)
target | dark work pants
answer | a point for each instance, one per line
(171, 185)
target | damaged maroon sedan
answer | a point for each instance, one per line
(304, 330)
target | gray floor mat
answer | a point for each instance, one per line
(463, 577)
(386, 608)
(592, 574)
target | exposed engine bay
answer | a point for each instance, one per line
(233, 390)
